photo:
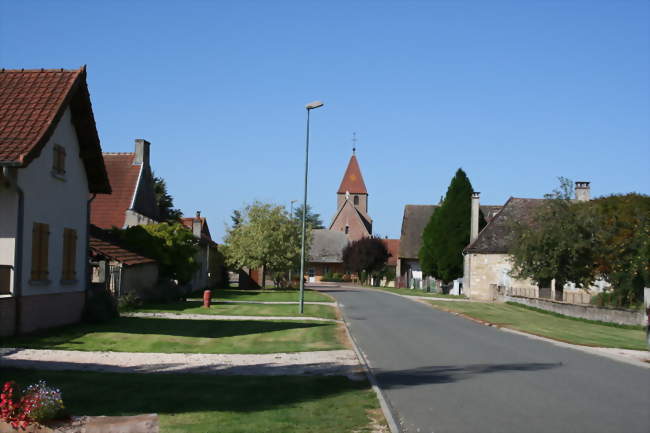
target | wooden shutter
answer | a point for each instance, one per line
(40, 251)
(69, 254)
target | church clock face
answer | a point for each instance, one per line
(353, 177)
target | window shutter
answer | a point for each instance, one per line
(36, 255)
(45, 243)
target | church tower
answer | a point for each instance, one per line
(352, 204)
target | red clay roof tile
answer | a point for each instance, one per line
(352, 180)
(108, 211)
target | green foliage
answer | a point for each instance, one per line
(128, 302)
(607, 238)
(172, 245)
(332, 277)
(217, 269)
(165, 202)
(448, 230)
(265, 236)
(365, 257)
(313, 219)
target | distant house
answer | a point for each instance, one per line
(51, 167)
(326, 254)
(210, 269)
(392, 246)
(414, 220)
(133, 201)
(487, 262)
(119, 269)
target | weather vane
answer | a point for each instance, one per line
(354, 142)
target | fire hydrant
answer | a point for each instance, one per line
(207, 298)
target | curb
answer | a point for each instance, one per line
(386, 408)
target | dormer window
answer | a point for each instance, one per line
(58, 163)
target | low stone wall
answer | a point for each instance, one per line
(602, 314)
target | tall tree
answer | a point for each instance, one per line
(266, 237)
(312, 218)
(165, 201)
(448, 230)
(366, 256)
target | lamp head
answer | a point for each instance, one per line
(313, 105)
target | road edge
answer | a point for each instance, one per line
(386, 408)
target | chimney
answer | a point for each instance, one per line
(196, 225)
(583, 191)
(473, 234)
(141, 152)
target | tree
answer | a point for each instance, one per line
(236, 218)
(312, 219)
(447, 232)
(265, 237)
(558, 242)
(365, 257)
(172, 245)
(165, 202)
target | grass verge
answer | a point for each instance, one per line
(132, 334)
(224, 404)
(550, 326)
(416, 292)
(196, 307)
(268, 295)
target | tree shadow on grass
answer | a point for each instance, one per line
(451, 373)
(153, 326)
(91, 393)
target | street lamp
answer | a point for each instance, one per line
(309, 107)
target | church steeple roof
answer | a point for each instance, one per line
(352, 180)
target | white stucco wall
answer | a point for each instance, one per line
(61, 203)
(8, 221)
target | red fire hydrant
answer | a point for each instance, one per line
(207, 298)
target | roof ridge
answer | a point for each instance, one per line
(118, 153)
(42, 70)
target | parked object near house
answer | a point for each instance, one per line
(51, 166)
(133, 201)
(118, 269)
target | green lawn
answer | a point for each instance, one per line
(132, 334)
(417, 292)
(547, 325)
(223, 404)
(267, 295)
(196, 307)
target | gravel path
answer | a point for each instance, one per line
(217, 317)
(330, 362)
(329, 304)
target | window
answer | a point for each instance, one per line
(311, 272)
(356, 200)
(40, 249)
(58, 163)
(69, 254)
(347, 229)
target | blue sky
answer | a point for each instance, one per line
(516, 93)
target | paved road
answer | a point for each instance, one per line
(442, 373)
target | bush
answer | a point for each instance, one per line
(614, 299)
(35, 404)
(332, 277)
(100, 306)
(130, 301)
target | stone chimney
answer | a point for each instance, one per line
(473, 234)
(196, 225)
(141, 152)
(583, 191)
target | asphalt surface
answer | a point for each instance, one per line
(442, 373)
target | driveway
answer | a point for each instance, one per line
(442, 373)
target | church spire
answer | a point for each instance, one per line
(352, 181)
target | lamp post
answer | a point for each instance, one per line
(309, 107)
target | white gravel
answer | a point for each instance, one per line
(218, 317)
(330, 362)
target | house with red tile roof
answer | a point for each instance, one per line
(133, 201)
(51, 168)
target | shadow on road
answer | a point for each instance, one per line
(450, 373)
